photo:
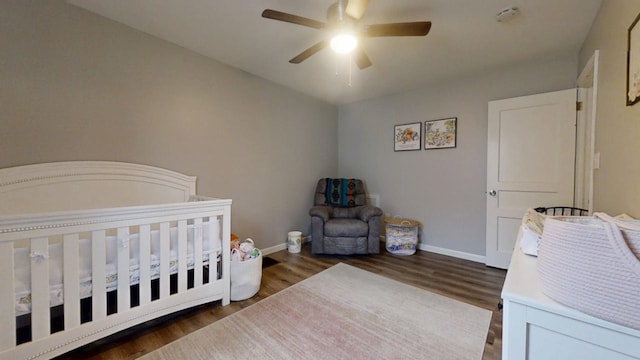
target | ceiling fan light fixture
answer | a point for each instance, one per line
(344, 30)
(344, 43)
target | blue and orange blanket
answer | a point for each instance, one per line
(341, 192)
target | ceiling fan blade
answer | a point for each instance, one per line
(361, 59)
(419, 28)
(307, 53)
(355, 8)
(290, 18)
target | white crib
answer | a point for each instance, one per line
(88, 249)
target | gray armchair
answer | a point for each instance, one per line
(341, 221)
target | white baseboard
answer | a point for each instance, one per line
(448, 252)
(283, 246)
(423, 247)
(271, 250)
(454, 253)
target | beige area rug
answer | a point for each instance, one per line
(342, 313)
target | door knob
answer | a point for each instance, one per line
(493, 192)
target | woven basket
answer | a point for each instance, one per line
(592, 265)
(401, 236)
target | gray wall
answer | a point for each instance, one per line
(76, 86)
(616, 187)
(443, 189)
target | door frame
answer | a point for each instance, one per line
(585, 133)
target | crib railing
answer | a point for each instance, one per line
(37, 232)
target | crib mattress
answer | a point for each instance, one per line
(22, 267)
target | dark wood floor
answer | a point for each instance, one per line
(463, 280)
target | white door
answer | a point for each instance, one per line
(530, 163)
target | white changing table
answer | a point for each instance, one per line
(538, 328)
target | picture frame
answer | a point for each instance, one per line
(440, 134)
(633, 63)
(407, 137)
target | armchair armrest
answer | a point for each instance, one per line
(321, 211)
(366, 212)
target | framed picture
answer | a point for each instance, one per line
(440, 134)
(407, 137)
(633, 64)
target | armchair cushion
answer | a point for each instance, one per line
(345, 213)
(364, 212)
(346, 228)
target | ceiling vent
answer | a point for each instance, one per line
(507, 14)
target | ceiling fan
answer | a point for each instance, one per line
(343, 25)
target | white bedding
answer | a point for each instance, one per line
(22, 265)
(531, 229)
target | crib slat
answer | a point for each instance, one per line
(197, 252)
(145, 264)
(71, 281)
(225, 250)
(165, 247)
(182, 256)
(98, 281)
(40, 319)
(8, 314)
(213, 240)
(124, 292)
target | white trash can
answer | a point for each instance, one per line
(294, 241)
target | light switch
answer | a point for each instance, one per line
(596, 161)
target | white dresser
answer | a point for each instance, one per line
(538, 328)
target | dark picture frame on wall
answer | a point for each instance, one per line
(407, 137)
(633, 63)
(440, 134)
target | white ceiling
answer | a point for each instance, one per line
(465, 37)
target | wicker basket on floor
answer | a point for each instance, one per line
(401, 236)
